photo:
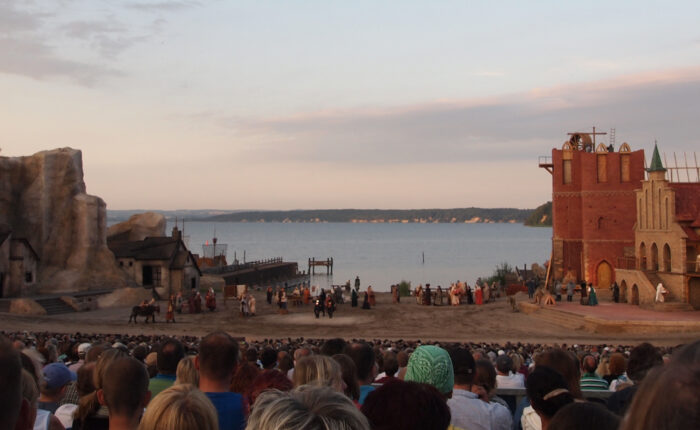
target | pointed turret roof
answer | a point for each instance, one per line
(656, 165)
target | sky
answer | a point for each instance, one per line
(325, 104)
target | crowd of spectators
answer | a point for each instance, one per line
(109, 381)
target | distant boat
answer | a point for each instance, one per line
(213, 254)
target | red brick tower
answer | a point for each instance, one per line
(593, 207)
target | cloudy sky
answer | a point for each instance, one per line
(340, 104)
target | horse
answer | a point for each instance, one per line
(144, 311)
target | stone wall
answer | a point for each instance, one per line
(43, 199)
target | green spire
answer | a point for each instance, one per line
(656, 165)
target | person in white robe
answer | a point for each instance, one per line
(660, 291)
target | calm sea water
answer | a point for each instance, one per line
(382, 254)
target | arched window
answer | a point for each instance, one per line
(654, 257)
(667, 258)
(642, 256)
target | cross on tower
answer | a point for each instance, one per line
(594, 134)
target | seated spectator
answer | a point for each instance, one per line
(186, 372)
(268, 358)
(180, 407)
(430, 364)
(268, 380)
(617, 372)
(305, 408)
(584, 416)
(485, 383)
(407, 406)
(169, 355)
(349, 372)
(548, 392)
(298, 354)
(402, 358)
(668, 397)
(506, 377)
(643, 358)
(335, 346)
(125, 392)
(217, 360)
(390, 368)
(243, 377)
(319, 370)
(15, 411)
(84, 386)
(363, 356)
(590, 380)
(468, 411)
(53, 387)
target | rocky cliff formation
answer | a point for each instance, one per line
(138, 227)
(43, 199)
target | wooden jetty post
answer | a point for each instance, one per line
(328, 263)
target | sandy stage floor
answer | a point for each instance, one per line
(493, 322)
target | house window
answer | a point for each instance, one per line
(602, 168)
(131, 263)
(567, 171)
(28, 277)
(121, 264)
(151, 276)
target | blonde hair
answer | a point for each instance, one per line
(180, 407)
(307, 408)
(319, 370)
(186, 372)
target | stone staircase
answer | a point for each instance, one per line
(561, 319)
(671, 303)
(54, 306)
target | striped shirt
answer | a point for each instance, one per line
(591, 381)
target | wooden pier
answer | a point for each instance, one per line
(313, 263)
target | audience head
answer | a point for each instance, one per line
(504, 364)
(268, 358)
(319, 370)
(584, 416)
(548, 391)
(617, 364)
(643, 357)
(180, 407)
(463, 365)
(305, 408)
(391, 364)
(363, 356)
(218, 355)
(85, 384)
(125, 387)
(485, 375)
(668, 396)
(430, 364)
(349, 372)
(267, 380)
(56, 377)
(407, 406)
(589, 364)
(170, 354)
(564, 363)
(335, 346)
(187, 372)
(11, 377)
(251, 355)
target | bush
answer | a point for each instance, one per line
(405, 288)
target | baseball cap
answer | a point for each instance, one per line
(57, 375)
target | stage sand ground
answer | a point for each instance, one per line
(493, 322)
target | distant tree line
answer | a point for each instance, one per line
(461, 215)
(541, 216)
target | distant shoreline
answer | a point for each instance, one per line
(354, 216)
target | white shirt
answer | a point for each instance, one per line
(513, 380)
(468, 411)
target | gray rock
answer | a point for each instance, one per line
(43, 199)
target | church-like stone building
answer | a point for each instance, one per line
(612, 224)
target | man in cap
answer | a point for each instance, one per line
(56, 377)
